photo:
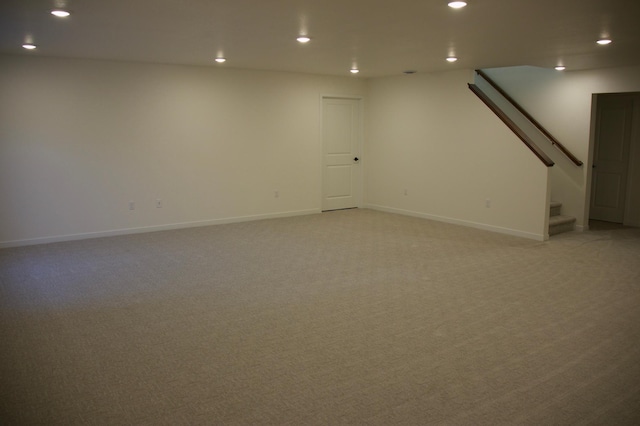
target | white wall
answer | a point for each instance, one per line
(562, 103)
(429, 134)
(79, 139)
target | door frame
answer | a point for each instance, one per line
(634, 157)
(361, 156)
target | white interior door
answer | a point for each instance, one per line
(341, 142)
(611, 158)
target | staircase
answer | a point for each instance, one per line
(534, 136)
(557, 222)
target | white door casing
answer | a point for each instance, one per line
(341, 153)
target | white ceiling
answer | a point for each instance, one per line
(381, 37)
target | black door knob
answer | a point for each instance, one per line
(356, 159)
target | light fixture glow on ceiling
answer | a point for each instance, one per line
(60, 13)
(354, 70)
(457, 4)
(220, 60)
(560, 68)
(29, 46)
(452, 59)
(303, 39)
(604, 41)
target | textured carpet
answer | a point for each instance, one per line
(348, 317)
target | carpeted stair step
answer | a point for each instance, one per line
(559, 223)
(554, 209)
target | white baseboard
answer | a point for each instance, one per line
(483, 226)
(140, 230)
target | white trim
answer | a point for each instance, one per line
(483, 226)
(167, 227)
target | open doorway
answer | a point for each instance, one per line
(615, 173)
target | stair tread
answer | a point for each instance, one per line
(555, 208)
(560, 220)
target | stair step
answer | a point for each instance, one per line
(559, 223)
(554, 208)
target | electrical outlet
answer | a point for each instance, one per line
(158, 203)
(132, 205)
(406, 192)
(276, 194)
(487, 203)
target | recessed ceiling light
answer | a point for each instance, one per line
(452, 59)
(457, 4)
(354, 71)
(560, 68)
(303, 39)
(220, 60)
(60, 13)
(604, 41)
(29, 46)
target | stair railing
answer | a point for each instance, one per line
(533, 121)
(512, 125)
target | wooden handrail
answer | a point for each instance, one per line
(513, 126)
(533, 121)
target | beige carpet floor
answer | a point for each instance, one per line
(347, 317)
